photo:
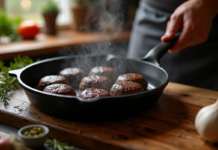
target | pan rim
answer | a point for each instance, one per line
(36, 91)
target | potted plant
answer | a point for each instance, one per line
(8, 28)
(78, 12)
(50, 10)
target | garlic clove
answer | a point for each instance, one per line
(16, 143)
(206, 122)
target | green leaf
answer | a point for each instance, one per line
(49, 6)
(57, 145)
(8, 83)
(68, 147)
(8, 26)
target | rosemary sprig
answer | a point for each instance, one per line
(57, 145)
(7, 83)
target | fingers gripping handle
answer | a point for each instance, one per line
(155, 54)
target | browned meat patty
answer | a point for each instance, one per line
(62, 89)
(134, 78)
(51, 79)
(73, 75)
(95, 82)
(93, 93)
(125, 88)
(104, 71)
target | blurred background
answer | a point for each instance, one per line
(72, 20)
(30, 9)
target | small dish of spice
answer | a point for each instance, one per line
(33, 136)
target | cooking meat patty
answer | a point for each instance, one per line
(134, 78)
(125, 88)
(95, 82)
(62, 89)
(51, 79)
(93, 93)
(73, 75)
(108, 72)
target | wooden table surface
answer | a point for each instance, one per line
(47, 44)
(169, 125)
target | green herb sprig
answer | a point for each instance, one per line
(8, 83)
(57, 145)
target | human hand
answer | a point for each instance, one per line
(195, 18)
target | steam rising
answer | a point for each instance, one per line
(111, 20)
(111, 15)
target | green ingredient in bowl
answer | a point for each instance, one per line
(33, 132)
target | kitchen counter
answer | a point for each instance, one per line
(7, 130)
(47, 44)
(167, 125)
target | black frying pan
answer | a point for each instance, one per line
(75, 106)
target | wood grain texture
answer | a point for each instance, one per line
(169, 125)
(46, 44)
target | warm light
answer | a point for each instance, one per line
(26, 3)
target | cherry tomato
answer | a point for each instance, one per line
(5, 145)
(28, 29)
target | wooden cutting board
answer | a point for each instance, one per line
(169, 125)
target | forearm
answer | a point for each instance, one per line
(214, 5)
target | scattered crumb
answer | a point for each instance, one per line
(79, 131)
(18, 107)
(75, 125)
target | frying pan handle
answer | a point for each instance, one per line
(155, 54)
(15, 73)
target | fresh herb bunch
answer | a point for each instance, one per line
(8, 26)
(49, 6)
(7, 83)
(57, 145)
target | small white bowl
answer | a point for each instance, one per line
(33, 142)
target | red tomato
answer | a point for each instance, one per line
(5, 145)
(28, 29)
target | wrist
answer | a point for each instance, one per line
(213, 5)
